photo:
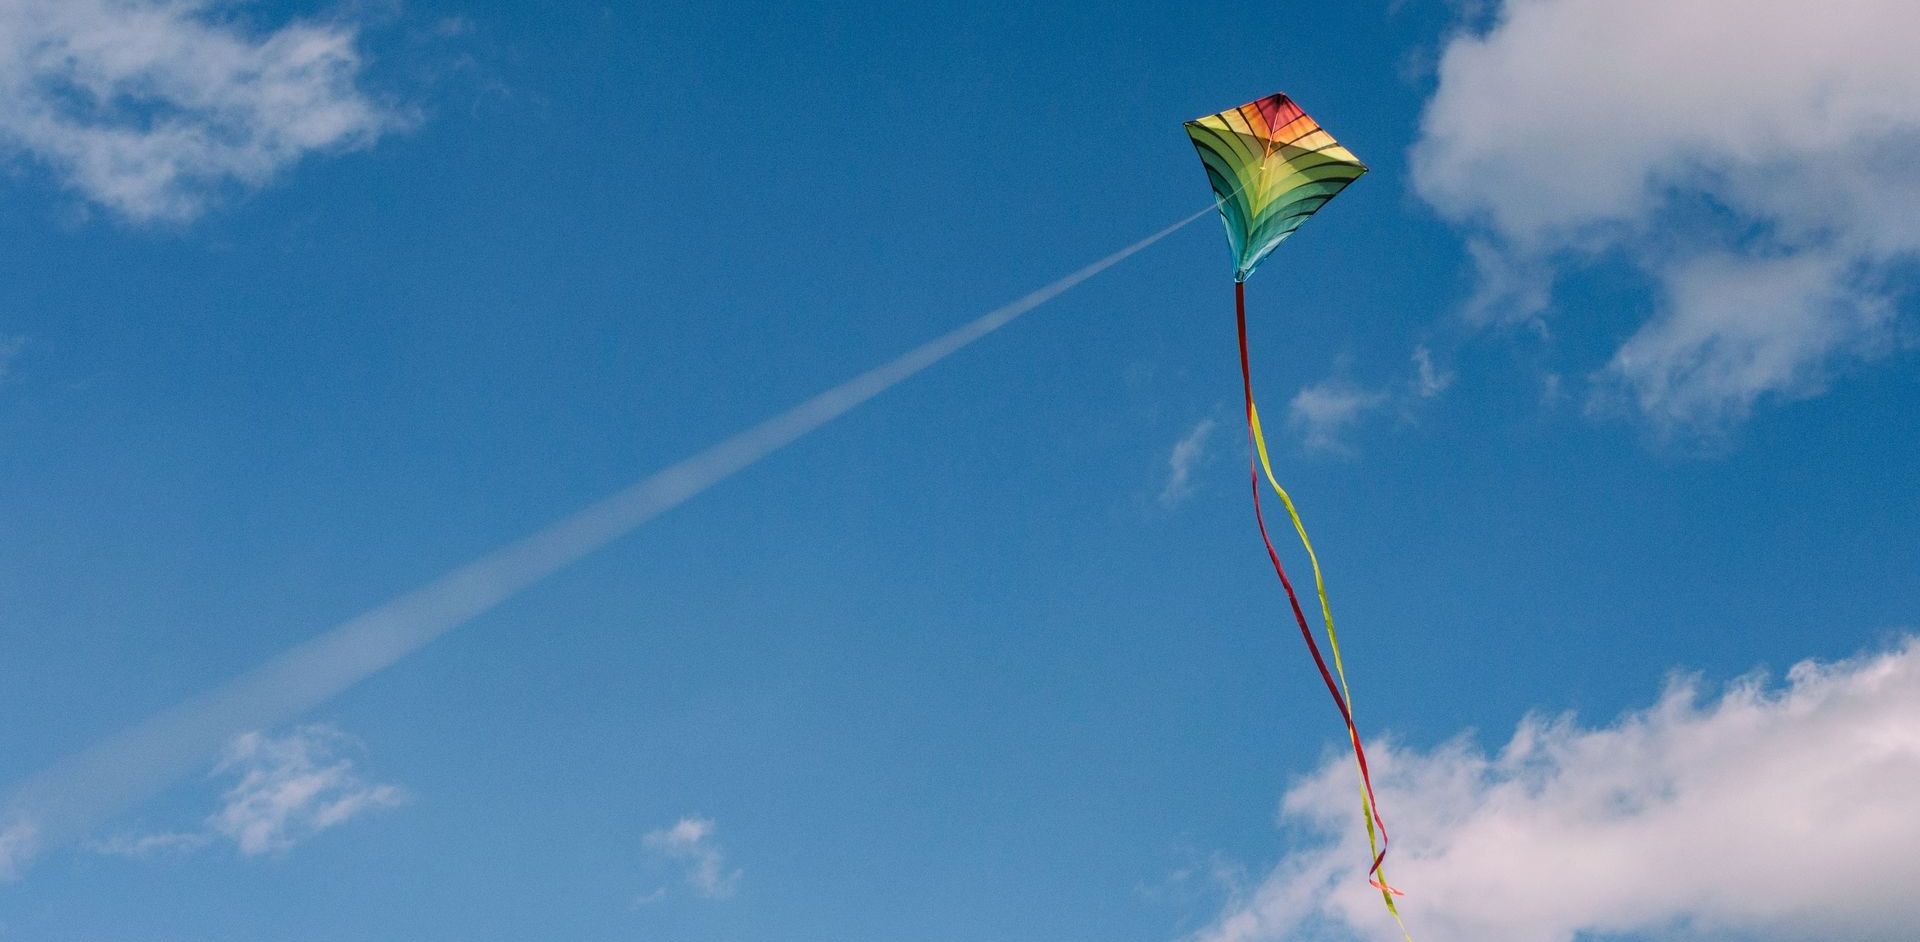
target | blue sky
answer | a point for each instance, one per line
(996, 655)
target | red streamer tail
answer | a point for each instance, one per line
(1293, 600)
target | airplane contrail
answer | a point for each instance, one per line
(72, 796)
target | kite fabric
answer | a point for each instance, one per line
(1271, 167)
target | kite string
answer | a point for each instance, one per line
(1341, 697)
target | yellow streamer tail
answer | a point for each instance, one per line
(1343, 697)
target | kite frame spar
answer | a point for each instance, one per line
(1271, 167)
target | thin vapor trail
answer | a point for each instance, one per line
(81, 791)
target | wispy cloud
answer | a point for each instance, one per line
(285, 789)
(1188, 453)
(1766, 179)
(1770, 812)
(1735, 325)
(142, 846)
(1325, 411)
(689, 844)
(292, 787)
(150, 108)
(1200, 882)
(1428, 380)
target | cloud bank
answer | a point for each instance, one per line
(1758, 162)
(151, 108)
(1778, 812)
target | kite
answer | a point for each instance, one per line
(1271, 167)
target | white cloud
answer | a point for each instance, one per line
(1187, 454)
(1428, 380)
(1712, 144)
(1775, 812)
(150, 108)
(141, 846)
(1734, 325)
(1550, 392)
(1324, 411)
(285, 789)
(689, 844)
(292, 787)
